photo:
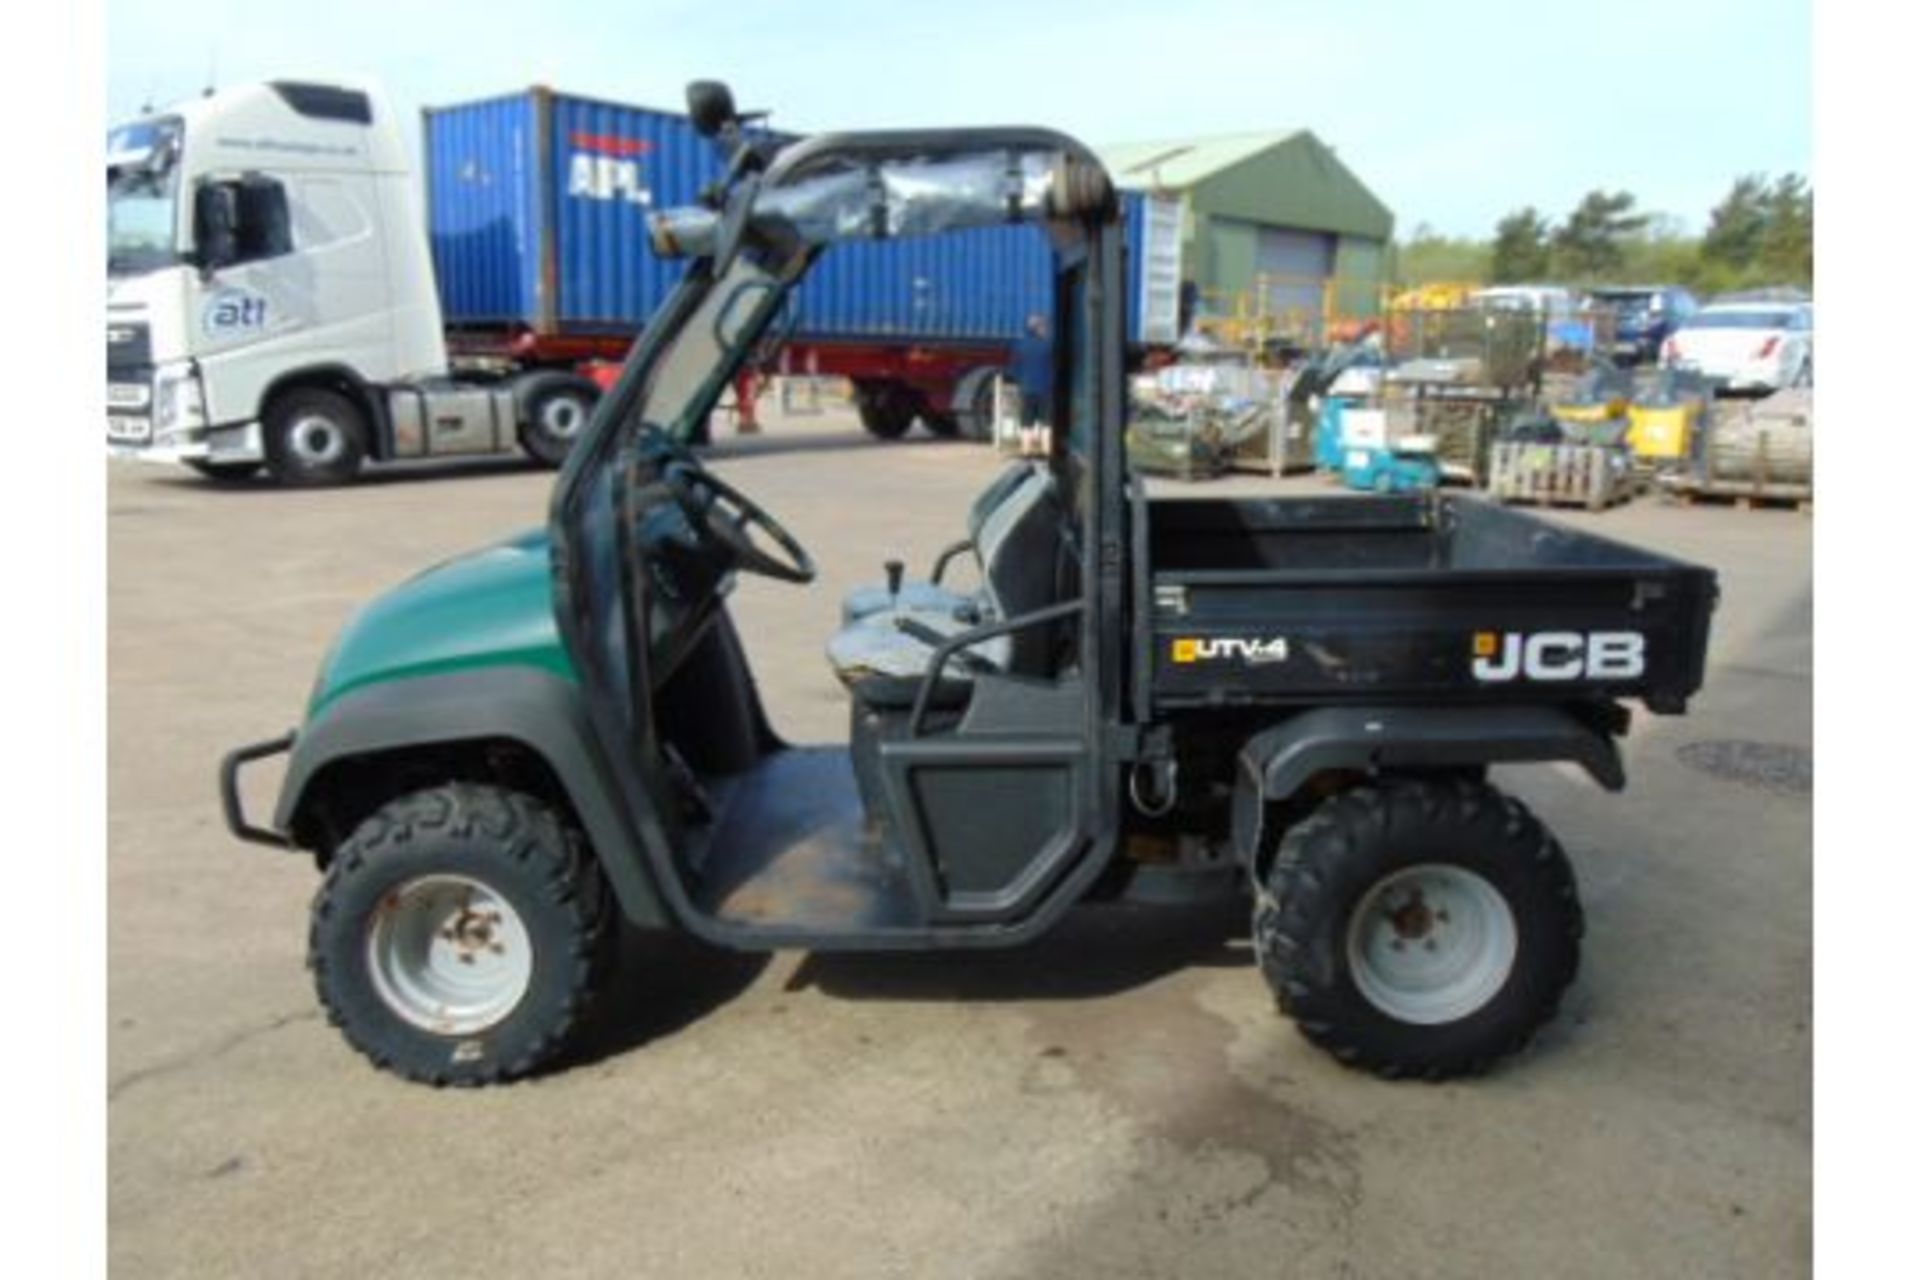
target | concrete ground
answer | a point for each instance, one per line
(1121, 1099)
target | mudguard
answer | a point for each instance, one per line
(1277, 762)
(539, 710)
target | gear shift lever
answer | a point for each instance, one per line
(896, 570)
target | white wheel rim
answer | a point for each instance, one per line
(1431, 943)
(449, 954)
(562, 417)
(316, 440)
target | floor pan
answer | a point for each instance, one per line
(792, 848)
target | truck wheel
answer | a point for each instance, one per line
(945, 426)
(973, 403)
(460, 935)
(1419, 927)
(224, 472)
(553, 413)
(314, 437)
(886, 408)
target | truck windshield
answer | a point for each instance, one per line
(140, 223)
(142, 181)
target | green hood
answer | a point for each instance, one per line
(486, 608)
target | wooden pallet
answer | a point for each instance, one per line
(1563, 475)
(1618, 497)
(1746, 496)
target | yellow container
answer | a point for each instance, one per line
(1666, 416)
(1663, 434)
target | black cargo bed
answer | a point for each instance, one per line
(1415, 599)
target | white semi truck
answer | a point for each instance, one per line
(271, 299)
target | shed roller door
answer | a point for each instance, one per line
(1296, 266)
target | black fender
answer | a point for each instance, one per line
(1275, 763)
(525, 705)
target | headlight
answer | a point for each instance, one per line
(177, 401)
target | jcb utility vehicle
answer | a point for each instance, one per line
(1299, 695)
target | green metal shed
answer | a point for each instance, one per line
(1275, 207)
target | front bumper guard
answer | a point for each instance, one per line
(230, 805)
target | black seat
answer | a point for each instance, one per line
(884, 656)
(923, 595)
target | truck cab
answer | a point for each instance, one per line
(270, 293)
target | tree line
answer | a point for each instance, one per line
(1760, 234)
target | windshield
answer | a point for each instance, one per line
(142, 178)
(1741, 320)
(704, 353)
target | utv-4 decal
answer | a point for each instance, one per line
(1559, 655)
(1188, 649)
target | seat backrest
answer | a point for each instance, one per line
(1004, 486)
(1019, 549)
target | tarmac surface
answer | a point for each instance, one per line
(1120, 1099)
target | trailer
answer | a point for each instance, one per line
(537, 208)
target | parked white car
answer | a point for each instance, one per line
(1746, 346)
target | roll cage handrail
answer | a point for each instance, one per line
(944, 653)
(802, 159)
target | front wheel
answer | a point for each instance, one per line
(1419, 927)
(460, 935)
(314, 437)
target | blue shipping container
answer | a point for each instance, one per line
(537, 210)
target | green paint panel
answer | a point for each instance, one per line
(1360, 267)
(1227, 262)
(487, 608)
(1297, 183)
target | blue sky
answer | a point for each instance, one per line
(1453, 113)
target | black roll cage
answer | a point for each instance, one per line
(1085, 225)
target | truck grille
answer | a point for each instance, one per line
(129, 348)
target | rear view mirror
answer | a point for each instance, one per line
(216, 223)
(710, 107)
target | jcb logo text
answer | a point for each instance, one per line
(1559, 655)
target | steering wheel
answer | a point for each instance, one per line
(721, 513)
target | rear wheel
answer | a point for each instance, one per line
(554, 411)
(886, 409)
(1419, 927)
(973, 403)
(460, 935)
(314, 437)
